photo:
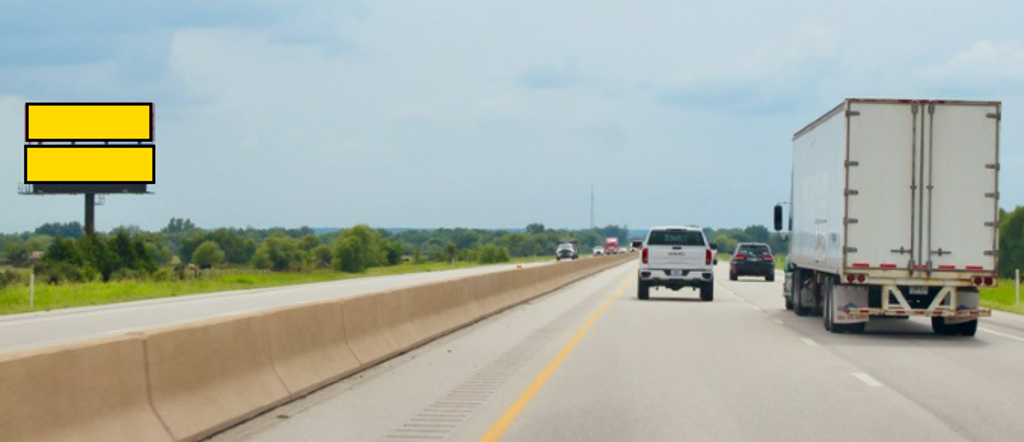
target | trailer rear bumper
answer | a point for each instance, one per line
(944, 313)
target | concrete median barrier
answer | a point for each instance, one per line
(187, 382)
(308, 346)
(88, 391)
(208, 376)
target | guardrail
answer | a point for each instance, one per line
(187, 382)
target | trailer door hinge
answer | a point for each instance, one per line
(850, 249)
(998, 116)
(849, 220)
(991, 252)
(992, 195)
(852, 163)
(992, 166)
(851, 192)
(852, 113)
(990, 224)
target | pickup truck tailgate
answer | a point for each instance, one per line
(676, 256)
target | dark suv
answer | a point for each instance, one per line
(752, 259)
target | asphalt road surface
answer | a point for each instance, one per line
(590, 362)
(40, 329)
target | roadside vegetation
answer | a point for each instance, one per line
(127, 263)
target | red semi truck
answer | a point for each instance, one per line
(611, 245)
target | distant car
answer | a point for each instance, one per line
(636, 245)
(714, 254)
(598, 250)
(566, 251)
(752, 259)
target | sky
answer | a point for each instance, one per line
(486, 114)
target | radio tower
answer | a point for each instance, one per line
(591, 205)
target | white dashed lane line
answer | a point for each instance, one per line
(809, 342)
(1015, 338)
(867, 379)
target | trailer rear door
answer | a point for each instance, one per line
(881, 197)
(961, 185)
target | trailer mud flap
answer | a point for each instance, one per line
(846, 299)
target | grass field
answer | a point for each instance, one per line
(15, 299)
(1002, 297)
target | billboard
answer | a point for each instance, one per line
(90, 147)
(89, 122)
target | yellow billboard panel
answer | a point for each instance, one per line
(88, 121)
(94, 164)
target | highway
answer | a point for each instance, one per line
(590, 362)
(39, 329)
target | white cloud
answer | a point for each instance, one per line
(983, 61)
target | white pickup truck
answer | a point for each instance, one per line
(676, 257)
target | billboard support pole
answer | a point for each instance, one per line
(90, 213)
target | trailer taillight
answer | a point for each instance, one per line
(643, 255)
(861, 278)
(989, 281)
(850, 278)
(977, 281)
(707, 257)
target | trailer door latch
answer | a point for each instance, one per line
(902, 250)
(941, 252)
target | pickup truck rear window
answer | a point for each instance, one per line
(676, 238)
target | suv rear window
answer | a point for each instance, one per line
(676, 238)
(754, 249)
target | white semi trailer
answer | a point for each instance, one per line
(894, 212)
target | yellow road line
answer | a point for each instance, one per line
(513, 411)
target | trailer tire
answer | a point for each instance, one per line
(827, 312)
(857, 328)
(940, 327)
(969, 328)
(798, 283)
(789, 301)
(707, 292)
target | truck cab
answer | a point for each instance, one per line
(676, 257)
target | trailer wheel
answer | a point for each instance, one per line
(969, 328)
(643, 290)
(827, 313)
(857, 328)
(707, 292)
(940, 327)
(798, 286)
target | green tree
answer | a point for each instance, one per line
(237, 248)
(535, 228)
(1011, 242)
(208, 254)
(490, 254)
(320, 257)
(282, 251)
(348, 255)
(61, 230)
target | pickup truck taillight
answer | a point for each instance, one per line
(707, 257)
(643, 255)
